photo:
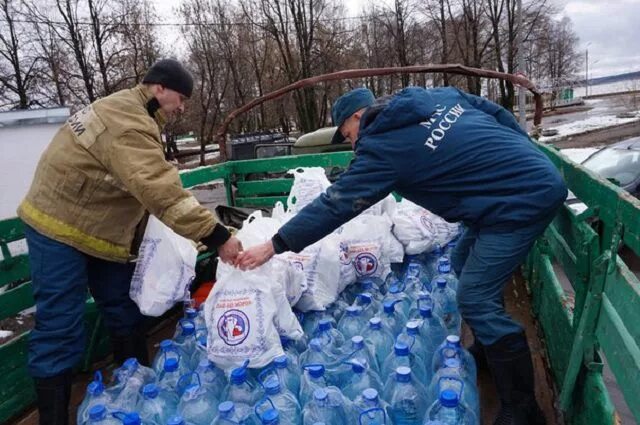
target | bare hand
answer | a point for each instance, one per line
(255, 256)
(229, 250)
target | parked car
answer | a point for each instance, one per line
(619, 163)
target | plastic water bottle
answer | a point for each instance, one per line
(337, 308)
(312, 379)
(362, 354)
(361, 378)
(241, 389)
(451, 377)
(370, 306)
(318, 353)
(283, 400)
(312, 319)
(330, 337)
(370, 408)
(327, 405)
(98, 415)
(95, 395)
(451, 348)
(372, 287)
(211, 377)
(127, 418)
(351, 322)
(197, 405)
(432, 260)
(229, 413)
(445, 272)
(415, 279)
(397, 292)
(421, 299)
(187, 342)
(170, 375)
(402, 357)
(288, 374)
(448, 410)
(379, 340)
(177, 420)
(434, 331)
(446, 306)
(412, 337)
(168, 349)
(156, 406)
(267, 413)
(131, 377)
(393, 318)
(406, 398)
(292, 348)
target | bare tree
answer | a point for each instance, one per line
(20, 66)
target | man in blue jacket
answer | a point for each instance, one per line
(465, 159)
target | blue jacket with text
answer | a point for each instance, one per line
(458, 155)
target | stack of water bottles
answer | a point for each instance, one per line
(386, 352)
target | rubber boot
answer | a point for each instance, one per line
(132, 345)
(477, 351)
(510, 363)
(53, 394)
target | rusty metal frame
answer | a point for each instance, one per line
(221, 134)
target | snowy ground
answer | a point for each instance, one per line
(617, 87)
(588, 124)
(207, 157)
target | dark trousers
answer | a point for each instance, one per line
(484, 262)
(60, 276)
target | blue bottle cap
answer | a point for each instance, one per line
(357, 342)
(131, 418)
(238, 375)
(375, 323)
(284, 341)
(437, 251)
(403, 374)
(426, 311)
(370, 394)
(270, 417)
(188, 327)
(171, 364)
(413, 327)
(453, 340)
(414, 268)
(175, 420)
(367, 284)
(272, 386)
(131, 363)
(315, 344)
(97, 412)
(357, 367)
(226, 407)
(441, 282)
(353, 310)
(401, 349)
(324, 325)
(166, 344)
(389, 307)
(320, 394)
(281, 362)
(365, 298)
(150, 391)
(204, 364)
(202, 340)
(316, 371)
(95, 388)
(449, 398)
(190, 313)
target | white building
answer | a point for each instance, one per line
(24, 135)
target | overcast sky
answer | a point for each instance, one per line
(610, 29)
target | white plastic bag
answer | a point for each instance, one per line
(245, 315)
(319, 262)
(419, 230)
(164, 270)
(308, 184)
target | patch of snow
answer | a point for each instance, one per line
(617, 87)
(588, 124)
(207, 156)
(578, 155)
(5, 334)
(28, 311)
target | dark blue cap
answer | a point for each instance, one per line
(272, 386)
(190, 313)
(357, 341)
(353, 310)
(370, 394)
(357, 367)
(97, 412)
(281, 362)
(441, 282)
(449, 398)
(270, 417)
(375, 323)
(188, 327)
(347, 105)
(401, 349)
(316, 371)
(170, 365)
(324, 325)
(150, 391)
(403, 374)
(238, 375)
(131, 419)
(95, 388)
(166, 344)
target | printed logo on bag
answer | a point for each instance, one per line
(366, 264)
(425, 220)
(344, 254)
(233, 327)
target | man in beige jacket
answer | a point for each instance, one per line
(103, 171)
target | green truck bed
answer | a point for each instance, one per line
(601, 320)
